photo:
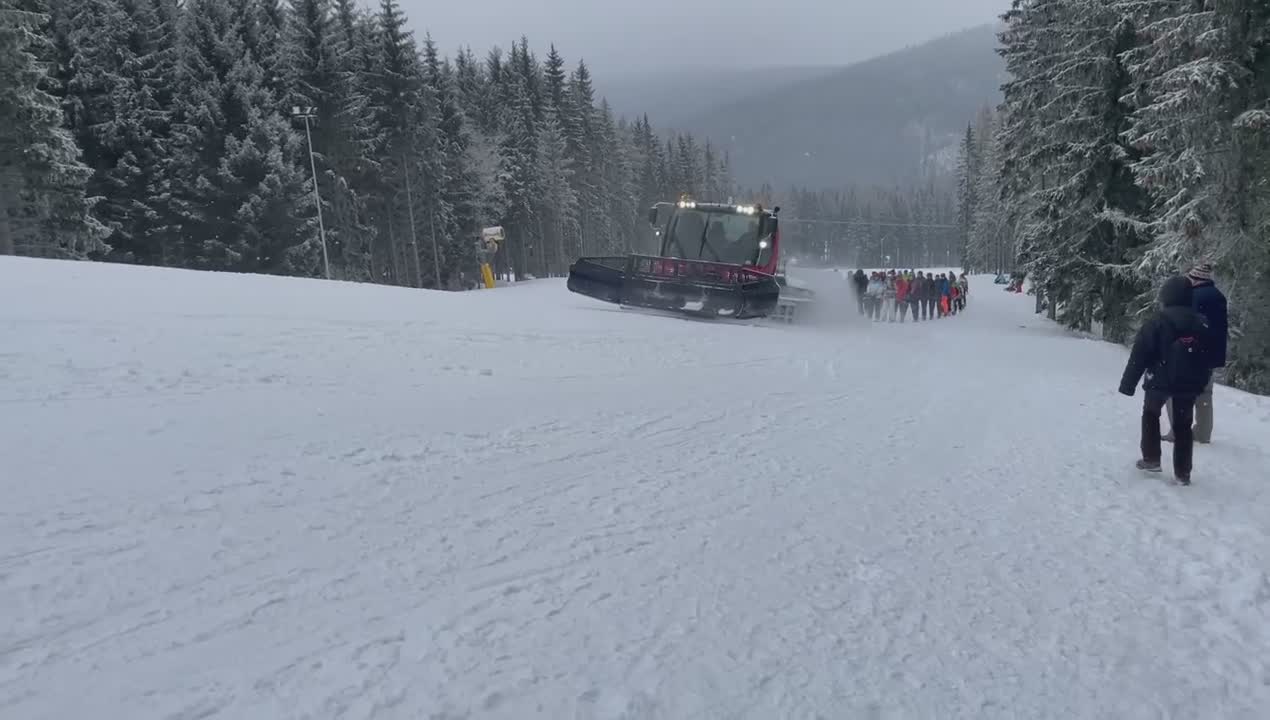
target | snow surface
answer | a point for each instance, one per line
(251, 497)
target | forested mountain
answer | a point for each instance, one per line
(165, 132)
(1133, 142)
(877, 121)
(676, 97)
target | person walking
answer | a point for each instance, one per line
(1208, 301)
(1171, 351)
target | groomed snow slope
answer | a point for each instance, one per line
(250, 497)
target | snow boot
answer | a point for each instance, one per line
(1149, 466)
(1183, 480)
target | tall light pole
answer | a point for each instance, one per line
(309, 113)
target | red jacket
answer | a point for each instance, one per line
(901, 289)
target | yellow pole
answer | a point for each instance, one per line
(487, 275)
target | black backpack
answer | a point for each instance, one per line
(1185, 360)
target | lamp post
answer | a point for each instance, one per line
(307, 114)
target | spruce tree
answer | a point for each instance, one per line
(456, 182)
(518, 156)
(43, 207)
(402, 112)
(237, 188)
(559, 205)
(322, 61)
(582, 136)
(618, 208)
(118, 65)
(991, 246)
(555, 79)
(969, 168)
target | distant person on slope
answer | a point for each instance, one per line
(945, 295)
(873, 298)
(902, 289)
(930, 296)
(1208, 301)
(1171, 351)
(860, 283)
(888, 298)
(915, 290)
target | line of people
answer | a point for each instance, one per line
(892, 296)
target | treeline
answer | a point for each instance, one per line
(1133, 141)
(162, 132)
(909, 226)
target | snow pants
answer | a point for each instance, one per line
(1203, 415)
(1181, 413)
(888, 309)
(860, 301)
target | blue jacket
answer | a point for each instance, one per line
(944, 288)
(1208, 301)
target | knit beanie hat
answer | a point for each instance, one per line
(1202, 272)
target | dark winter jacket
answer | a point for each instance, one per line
(860, 282)
(1174, 320)
(1211, 303)
(921, 288)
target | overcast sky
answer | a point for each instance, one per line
(628, 35)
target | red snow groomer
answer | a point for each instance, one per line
(716, 260)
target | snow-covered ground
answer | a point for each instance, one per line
(250, 497)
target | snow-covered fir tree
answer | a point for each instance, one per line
(44, 210)
(968, 174)
(237, 184)
(559, 206)
(183, 112)
(402, 110)
(319, 62)
(991, 246)
(1131, 144)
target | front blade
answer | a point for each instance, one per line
(598, 277)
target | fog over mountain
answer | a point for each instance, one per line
(689, 35)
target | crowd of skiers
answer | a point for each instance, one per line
(891, 296)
